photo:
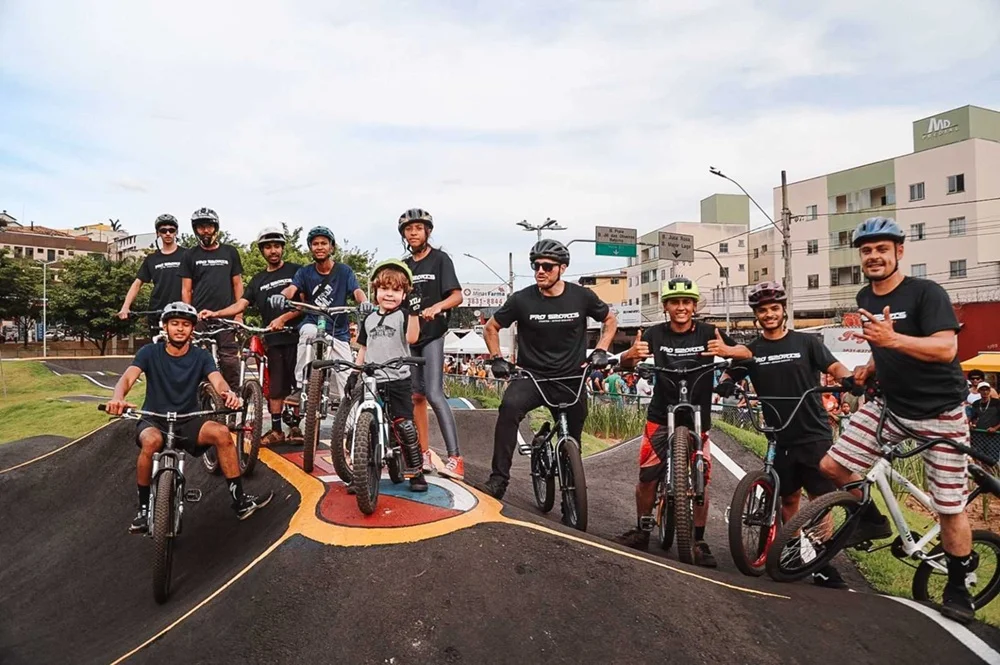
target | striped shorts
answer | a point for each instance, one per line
(944, 467)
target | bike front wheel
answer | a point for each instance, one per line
(366, 464)
(983, 583)
(310, 434)
(680, 447)
(816, 534)
(342, 435)
(208, 399)
(163, 536)
(753, 522)
(543, 483)
(573, 484)
(248, 436)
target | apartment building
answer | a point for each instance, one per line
(610, 287)
(764, 247)
(945, 195)
(137, 246)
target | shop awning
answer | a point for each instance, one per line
(988, 362)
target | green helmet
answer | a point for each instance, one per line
(393, 263)
(680, 287)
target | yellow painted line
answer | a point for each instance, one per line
(53, 452)
(208, 599)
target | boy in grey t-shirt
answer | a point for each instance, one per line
(384, 335)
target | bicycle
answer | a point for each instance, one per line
(561, 460)
(683, 483)
(167, 494)
(371, 447)
(758, 494)
(823, 528)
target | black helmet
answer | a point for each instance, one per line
(546, 248)
(415, 215)
(165, 220)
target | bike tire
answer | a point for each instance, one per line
(750, 555)
(343, 434)
(781, 557)
(163, 540)
(208, 399)
(543, 483)
(928, 582)
(368, 469)
(248, 436)
(396, 467)
(665, 526)
(683, 511)
(310, 433)
(573, 485)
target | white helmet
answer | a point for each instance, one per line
(178, 310)
(271, 234)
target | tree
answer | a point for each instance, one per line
(20, 292)
(88, 295)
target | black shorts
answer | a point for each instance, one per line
(399, 395)
(798, 469)
(280, 370)
(185, 431)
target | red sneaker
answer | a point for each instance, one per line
(454, 469)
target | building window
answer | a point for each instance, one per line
(71, 252)
(724, 273)
(917, 231)
(956, 183)
(956, 269)
(811, 212)
(917, 191)
(956, 226)
(615, 281)
(763, 271)
(663, 274)
(51, 255)
(742, 268)
(845, 275)
(723, 248)
(812, 247)
(17, 252)
(918, 270)
(756, 275)
(763, 249)
(656, 252)
(756, 253)
(742, 243)
(813, 281)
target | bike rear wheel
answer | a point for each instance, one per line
(983, 583)
(208, 399)
(310, 434)
(752, 525)
(367, 467)
(342, 436)
(816, 534)
(573, 485)
(543, 482)
(680, 447)
(248, 435)
(163, 537)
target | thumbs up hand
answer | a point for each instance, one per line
(718, 347)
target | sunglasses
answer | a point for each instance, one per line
(545, 267)
(165, 231)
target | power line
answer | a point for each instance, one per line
(880, 209)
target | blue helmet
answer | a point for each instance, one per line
(878, 228)
(318, 231)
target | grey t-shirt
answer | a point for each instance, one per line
(384, 339)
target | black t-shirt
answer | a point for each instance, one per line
(172, 381)
(986, 413)
(673, 350)
(163, 270)
(552, 332)
(913, 388)
(434, 276)
(264, 285)
(211, 273)
(788, 367)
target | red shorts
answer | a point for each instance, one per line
(654, 450)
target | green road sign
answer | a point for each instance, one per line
(612, 249)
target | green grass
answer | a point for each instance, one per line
(883, 571)
(32, 405)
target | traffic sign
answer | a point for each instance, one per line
(614, 241)
(676, 247)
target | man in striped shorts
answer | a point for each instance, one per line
(911, 328)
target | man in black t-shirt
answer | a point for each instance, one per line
(912, 330)
(786, 364)
(162, 268)
(211, 278)
(281, 346)
(680, 343)
(986, 411)
(551, 319)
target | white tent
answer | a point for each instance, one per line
(472, 344)
(452, 342)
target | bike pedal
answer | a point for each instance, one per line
(524, 449)
(647, 522)
(192, 496)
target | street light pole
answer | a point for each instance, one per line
(725, 275)
(548, 225)
(45, 308)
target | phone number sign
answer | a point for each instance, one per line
(484, 295)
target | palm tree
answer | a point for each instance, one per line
(116, 224)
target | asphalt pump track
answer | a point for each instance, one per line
(460, 578)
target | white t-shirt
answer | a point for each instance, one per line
(644, 390)
(973, 398)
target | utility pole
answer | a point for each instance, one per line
(786, 249)
(513, 328)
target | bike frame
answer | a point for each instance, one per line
(560, 418)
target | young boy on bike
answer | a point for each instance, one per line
(384, 335)
(679, 342)
(174, 371)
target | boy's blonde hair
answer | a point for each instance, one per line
(391, 278)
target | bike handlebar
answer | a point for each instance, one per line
(251, 329)
(135, 414)
(791, 418)
(715, 364)
(369, 368)
(520, 372)
(331, 311)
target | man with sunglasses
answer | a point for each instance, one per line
(551, 321)
(162, 268)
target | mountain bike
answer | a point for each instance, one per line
(754, 514)
(314, 398)
(683, 483)
(561, 460)
(375, 443)
(823, 528)
(167, 494)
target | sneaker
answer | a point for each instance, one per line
(703, 555)
(141, 522)
(829, 577)
(428, 462)
(637, 539)
(295, 435)
(418, 483)
(957, 604)
(870, 529)
(251, 504)
(454, 469)
(272, 438)
(495, 487)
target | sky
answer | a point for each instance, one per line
(591, 112)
